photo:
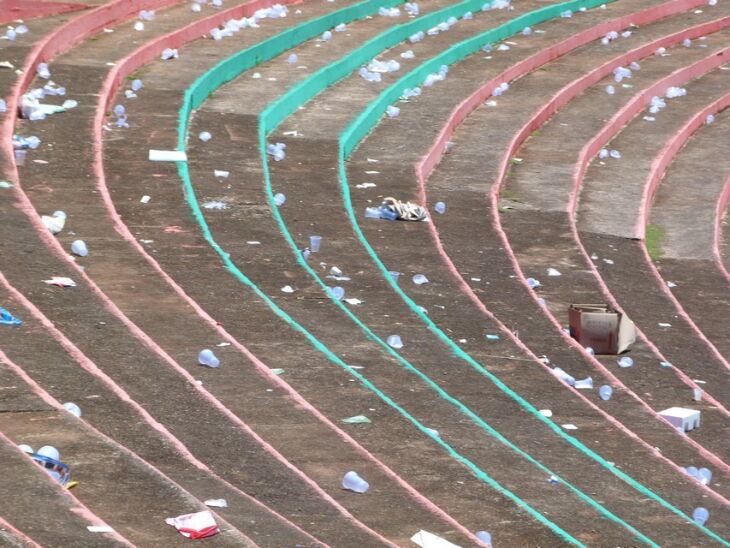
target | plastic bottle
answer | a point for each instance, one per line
(207, 358)
(72, 408)
(353, 482)
(605, 392)
(78, 247)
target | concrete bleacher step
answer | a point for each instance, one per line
(320, 168)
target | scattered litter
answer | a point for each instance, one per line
(287, 289)
(625, 362)
(697, 394)
(440, 208)
(61, 281)
(420, 279)
(569, 426)
(389, 12)
(215, 204)
(392, 209)
(395, 341)
(492, 337)
(353, 482)
(553, 480)
(353, 301)
(99, 529)
(605, 392)
(169, 53)
(546, 413)
(72, 408)
(279, 199)
(276, 150)
(563, 376)
(168, 156)
(608, 261)
(195, 526)
(584, 384)
(217, 503)
(664, 324)
(533, 283)
(205, 136)
(220, 173)
(336, 292)
(78, 247)
(553, 272)
(277, 371)
(357, 419)
(700, 514)
(601, 328)
(681, 418)
(408, 54)
(6, 318)
(424, 539)
(208, 358)
(55, 222)
(315, 243)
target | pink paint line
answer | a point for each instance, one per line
(63, 39)
(637, 103)
(426, 165)
(77, 506)
(111, 84)
(18, 534)
(722, 202)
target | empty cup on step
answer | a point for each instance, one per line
(605, 392)
(484, 537)
(337, 292)
(420, 279)
(440, 208)
(353, 482)
(78, 247)
(395, 341)
(207, 358)
(314, 243)
(704, 475)
(72, 408)
(625, 362)
(20, 155)
(700, 515)
(394, 274)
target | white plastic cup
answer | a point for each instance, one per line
(353, 482)
(207, 358)
(314, 243)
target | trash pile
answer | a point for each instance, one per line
(394, 210)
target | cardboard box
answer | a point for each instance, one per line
(605, 330)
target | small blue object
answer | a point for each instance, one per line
(6, 318)
(485, 537)
(491, 337)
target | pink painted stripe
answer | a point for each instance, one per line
(58, 42)
(428, 163)
(612, 127)
(722, 202)
(50, 400)
(27, 9)
(121, 70)
(77, 506)
(18, 534)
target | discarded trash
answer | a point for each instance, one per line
(533, 283)
(615, 154)
(287, 289)
(440, 208)
(215, 204)
(279, 199)
(704, 475)
(369, 76)
(78, 247)
(625, 362)
(563, 376)
(403, 211)
(195, 526)
(709, 119)
(277, 371)
(484, 537)
(546, 413)
(584, 384)
(389, 12)
(395, 342)
(392, 111)
(420, 279)
(99, 529)
(697, 394)
(605, 330)
(207, 358)
(293, 58)
(352, 482)
(357, 419)
(553, 272)
(216, 503)
(553, 480)
(492, 337)
(72, 408)
(276, 150)
(326, 36)
(169, 53)
(168, 156)
(424, 539)
(6, 318)
(412, 8)
(49, 458)
(605, 392)
(61, 281)
(55, 222)
(394, 275)
(205, 136)
(569, 426)
(681, 418)
(408, 54)
(337, 292)
(353, 301)
(674, 92)
(315, 243)
(700, 515)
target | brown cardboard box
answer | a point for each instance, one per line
(605, 330)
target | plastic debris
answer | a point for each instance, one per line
(546, 413)
(484, 537)
(569, 426)
(72, 408)
(205, 136)
(681, 418)
(195, 526)
(625, 362)
(383, 66)
(287, 289)
(709, 119)
(605, 392)
(424, 539)
(61, 281)
(392, 111)
(99, 529)
(389, 12)
(276, 150)
(279, 199)
(584, 384)
(369, 76)
(315, 243)
(169, 53)
(167, 156)
(533, 283)
(700, 515)
(412, 8)
(216, 503)
(553, 272)
(208, 358)
(337, 292)
(353, 482)
(674, 92)
(326, 36)
(6, 318)
(78, 247)
(420, 279)
(564, 376)
(357, 419)
(395, 341)
(492, 337)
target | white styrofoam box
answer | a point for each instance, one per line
(682, 418)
